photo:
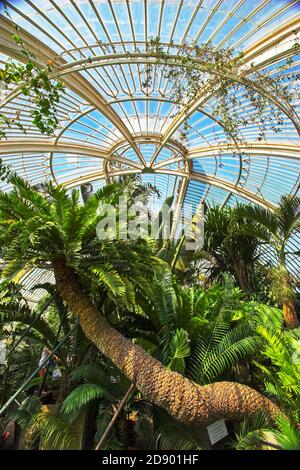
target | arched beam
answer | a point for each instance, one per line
(231, 188)
(75, 81)
(110, 59)
(24, 146)
(276, 38)
(279, 150)
(217, 182)
(269, 149)
(147, 57)
(150, 58)
(152, 138)
(251, 55)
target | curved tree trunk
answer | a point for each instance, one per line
(290, 315)
(183, 399)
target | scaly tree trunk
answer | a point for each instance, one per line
(183, 399)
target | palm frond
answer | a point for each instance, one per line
(269, 316)
(28, 408)
(220, 348)
(111, 279)
(252, 432)
(174, 437)
(262, 216)
(287, 436)
(288, 215)
(14, 312)
(77, 400)
(53, 431)
(164, 299)
(89, 373)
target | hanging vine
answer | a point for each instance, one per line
(238, 94)
(36, 83)
(242, 95)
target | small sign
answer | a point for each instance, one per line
(216, 431)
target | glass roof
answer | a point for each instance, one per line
(107, 118)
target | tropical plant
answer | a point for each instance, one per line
(258, 433)
(173, 248)
(192, 68)
(23, 315)
(55, 231)
(54, 427)
(225, 249)
(17, 365)
(281, 373)
(275, 229)
(221, 346)
(196, 332)
(28, 330)
(51, 430)
(173, 437)
(134, 189)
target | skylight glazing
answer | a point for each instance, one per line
(110, 123)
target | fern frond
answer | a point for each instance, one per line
(210, 360)
(177, 350)
(164, 299)
(23, 415)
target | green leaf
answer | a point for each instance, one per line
(177, 350)
(78, 399)
(108, 276)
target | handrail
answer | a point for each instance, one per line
(48, 365)
(114, 418)
(17, 393)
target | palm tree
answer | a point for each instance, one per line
(226, 249)
(55, 231)
(276, 228)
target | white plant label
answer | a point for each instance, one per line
(216, 431)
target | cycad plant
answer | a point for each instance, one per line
(221, 346)
(25, 332)
(258, 433)
(42, 425)
(56, 428)
(195, 330)
(275, 229)
(53, 230)
(281, 371)
(278, 363)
